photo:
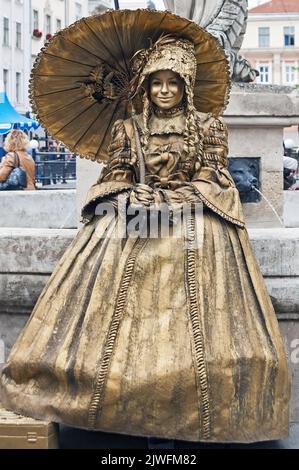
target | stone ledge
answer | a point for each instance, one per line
(239, 87)
(30, 250)
(20, 292)
(290, 208)
(284, 293)
(11, 326)
(41, 208)
(28, 257)
(277, 250)
(274, 103)
(38, 250)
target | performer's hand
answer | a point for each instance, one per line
(187, 194)
(142, 194)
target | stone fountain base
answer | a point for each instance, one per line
(256, 117)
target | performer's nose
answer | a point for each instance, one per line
(164, 88)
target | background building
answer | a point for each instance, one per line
(271, 42)
(15, 51)
(24, 27)
(48, 16)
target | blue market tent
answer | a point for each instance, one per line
(11, 119)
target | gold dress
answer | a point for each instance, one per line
(141, 336)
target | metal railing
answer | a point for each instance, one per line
(54, 167)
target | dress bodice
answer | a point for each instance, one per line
(167, 165)
(166, 162)
(169, 168)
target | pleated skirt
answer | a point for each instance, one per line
(154, 337)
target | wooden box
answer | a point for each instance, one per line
(20, 432)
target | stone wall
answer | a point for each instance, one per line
(256, 116)
(88, 172)
(291, 208)
(27, 258)
(38, 209)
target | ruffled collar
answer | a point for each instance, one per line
(173, 124)
(169, 113)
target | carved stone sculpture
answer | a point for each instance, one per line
(225, 19)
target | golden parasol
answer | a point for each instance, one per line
(81, 81)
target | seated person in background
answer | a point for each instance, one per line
(290, 168)
(18, 142)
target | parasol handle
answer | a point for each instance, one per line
(139, 151)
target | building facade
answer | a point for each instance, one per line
(271, 42)
(25, 25)
(48, 16)
(15, 51)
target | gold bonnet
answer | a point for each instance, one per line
(168, 53)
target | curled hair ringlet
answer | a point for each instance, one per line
(178, 55)
(192, 133)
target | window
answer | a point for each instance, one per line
(58, 24)
(290, 73)
(264, 76)
(35, 19)
(289, 35)
(5, 80)
(48, 24)
(18, 87)
(78, 11)
(18, 35)
(5, 31)
(264, 37)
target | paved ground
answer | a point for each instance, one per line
(71, 438)
(69, 185)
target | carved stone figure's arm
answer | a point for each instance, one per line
(225, 19)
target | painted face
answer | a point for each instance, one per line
(166, 89)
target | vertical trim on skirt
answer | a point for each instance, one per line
(101, 379)
(194, 311)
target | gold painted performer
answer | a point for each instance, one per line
(141, 335)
